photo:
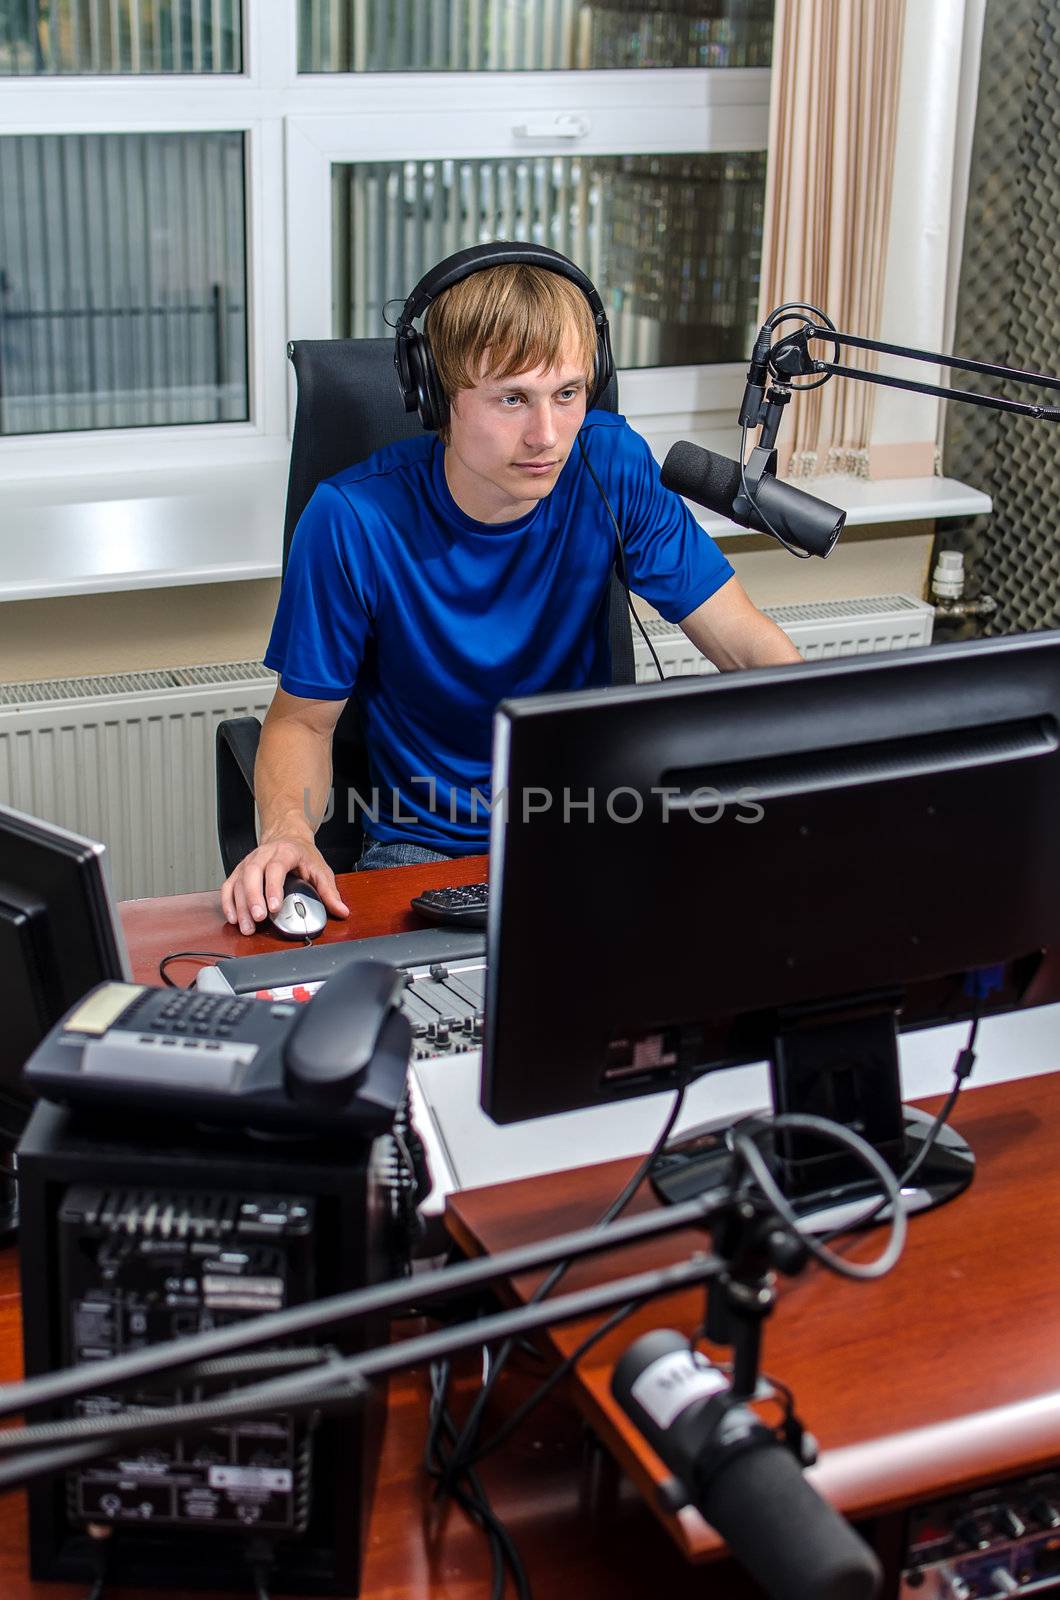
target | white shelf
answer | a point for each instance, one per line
(883, 500)
(164, 529)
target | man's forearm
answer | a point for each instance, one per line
(732, 632)
(292, 780)
(755, 642)
(767, 645)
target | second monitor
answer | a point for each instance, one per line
(788, 864)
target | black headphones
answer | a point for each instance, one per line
(417, 375)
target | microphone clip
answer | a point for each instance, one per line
(760, 463)
(790, 357)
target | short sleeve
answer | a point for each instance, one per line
(327, 601)
(671, 561)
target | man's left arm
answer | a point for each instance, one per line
(732, 632)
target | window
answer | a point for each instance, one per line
(122, 280)
(87, 36)
(530, 35)
(186, 184)
(676, 292)
(141, 227)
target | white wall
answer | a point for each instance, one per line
(940, 59)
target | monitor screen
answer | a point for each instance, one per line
(785, 864)
(59, 935)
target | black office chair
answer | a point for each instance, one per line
(348, 406)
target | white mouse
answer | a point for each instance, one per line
(301, 914)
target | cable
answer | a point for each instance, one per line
(544, 1389)
(186, 955)
(883, 1264)
(473, 1500)
(466, 1442)
(802, 555)
(622, 574)
(621, 1201)
(260, 1560)
(962, 1068)
(101, 1543)
(477, 1509)
(743, 1142)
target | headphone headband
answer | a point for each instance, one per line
(477, 258)
(417, 377)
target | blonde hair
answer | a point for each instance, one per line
(513, 319)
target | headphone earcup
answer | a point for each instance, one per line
(423, 379)
(604, 369)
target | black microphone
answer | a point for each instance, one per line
(777, 508)
(735, 1471)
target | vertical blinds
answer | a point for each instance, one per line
(672, 242)
(122, 280)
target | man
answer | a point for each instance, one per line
(449, 571)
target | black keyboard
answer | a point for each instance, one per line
(463, 905)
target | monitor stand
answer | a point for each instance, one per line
(839, 1062)
(8, 1193)
(14, 1114)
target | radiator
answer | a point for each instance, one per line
(129, 759)
(817, 628)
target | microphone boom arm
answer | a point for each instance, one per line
(789, 357)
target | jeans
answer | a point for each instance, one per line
(395, 853)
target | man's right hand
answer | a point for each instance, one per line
(255, 889)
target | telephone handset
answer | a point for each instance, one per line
(335, 1065)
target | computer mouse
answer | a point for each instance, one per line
(301, 914)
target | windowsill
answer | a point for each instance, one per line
(151, 530)
(168, 529)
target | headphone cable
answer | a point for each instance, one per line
(622, 574)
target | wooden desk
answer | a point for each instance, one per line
(943, 1375)
(923, 1349)
(378, 902)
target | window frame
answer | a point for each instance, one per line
(295, 125)
(694, 110)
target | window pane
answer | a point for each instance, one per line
(672, 242)
(521, 35)
(122, 280)
(85, 36)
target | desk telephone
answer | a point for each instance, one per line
(337, 1065)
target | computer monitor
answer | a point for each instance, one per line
(786, 864)
(59, 935)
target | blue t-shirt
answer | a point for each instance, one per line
(429, 618)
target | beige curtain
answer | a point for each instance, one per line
(828, 201)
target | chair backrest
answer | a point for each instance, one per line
(349, 405)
